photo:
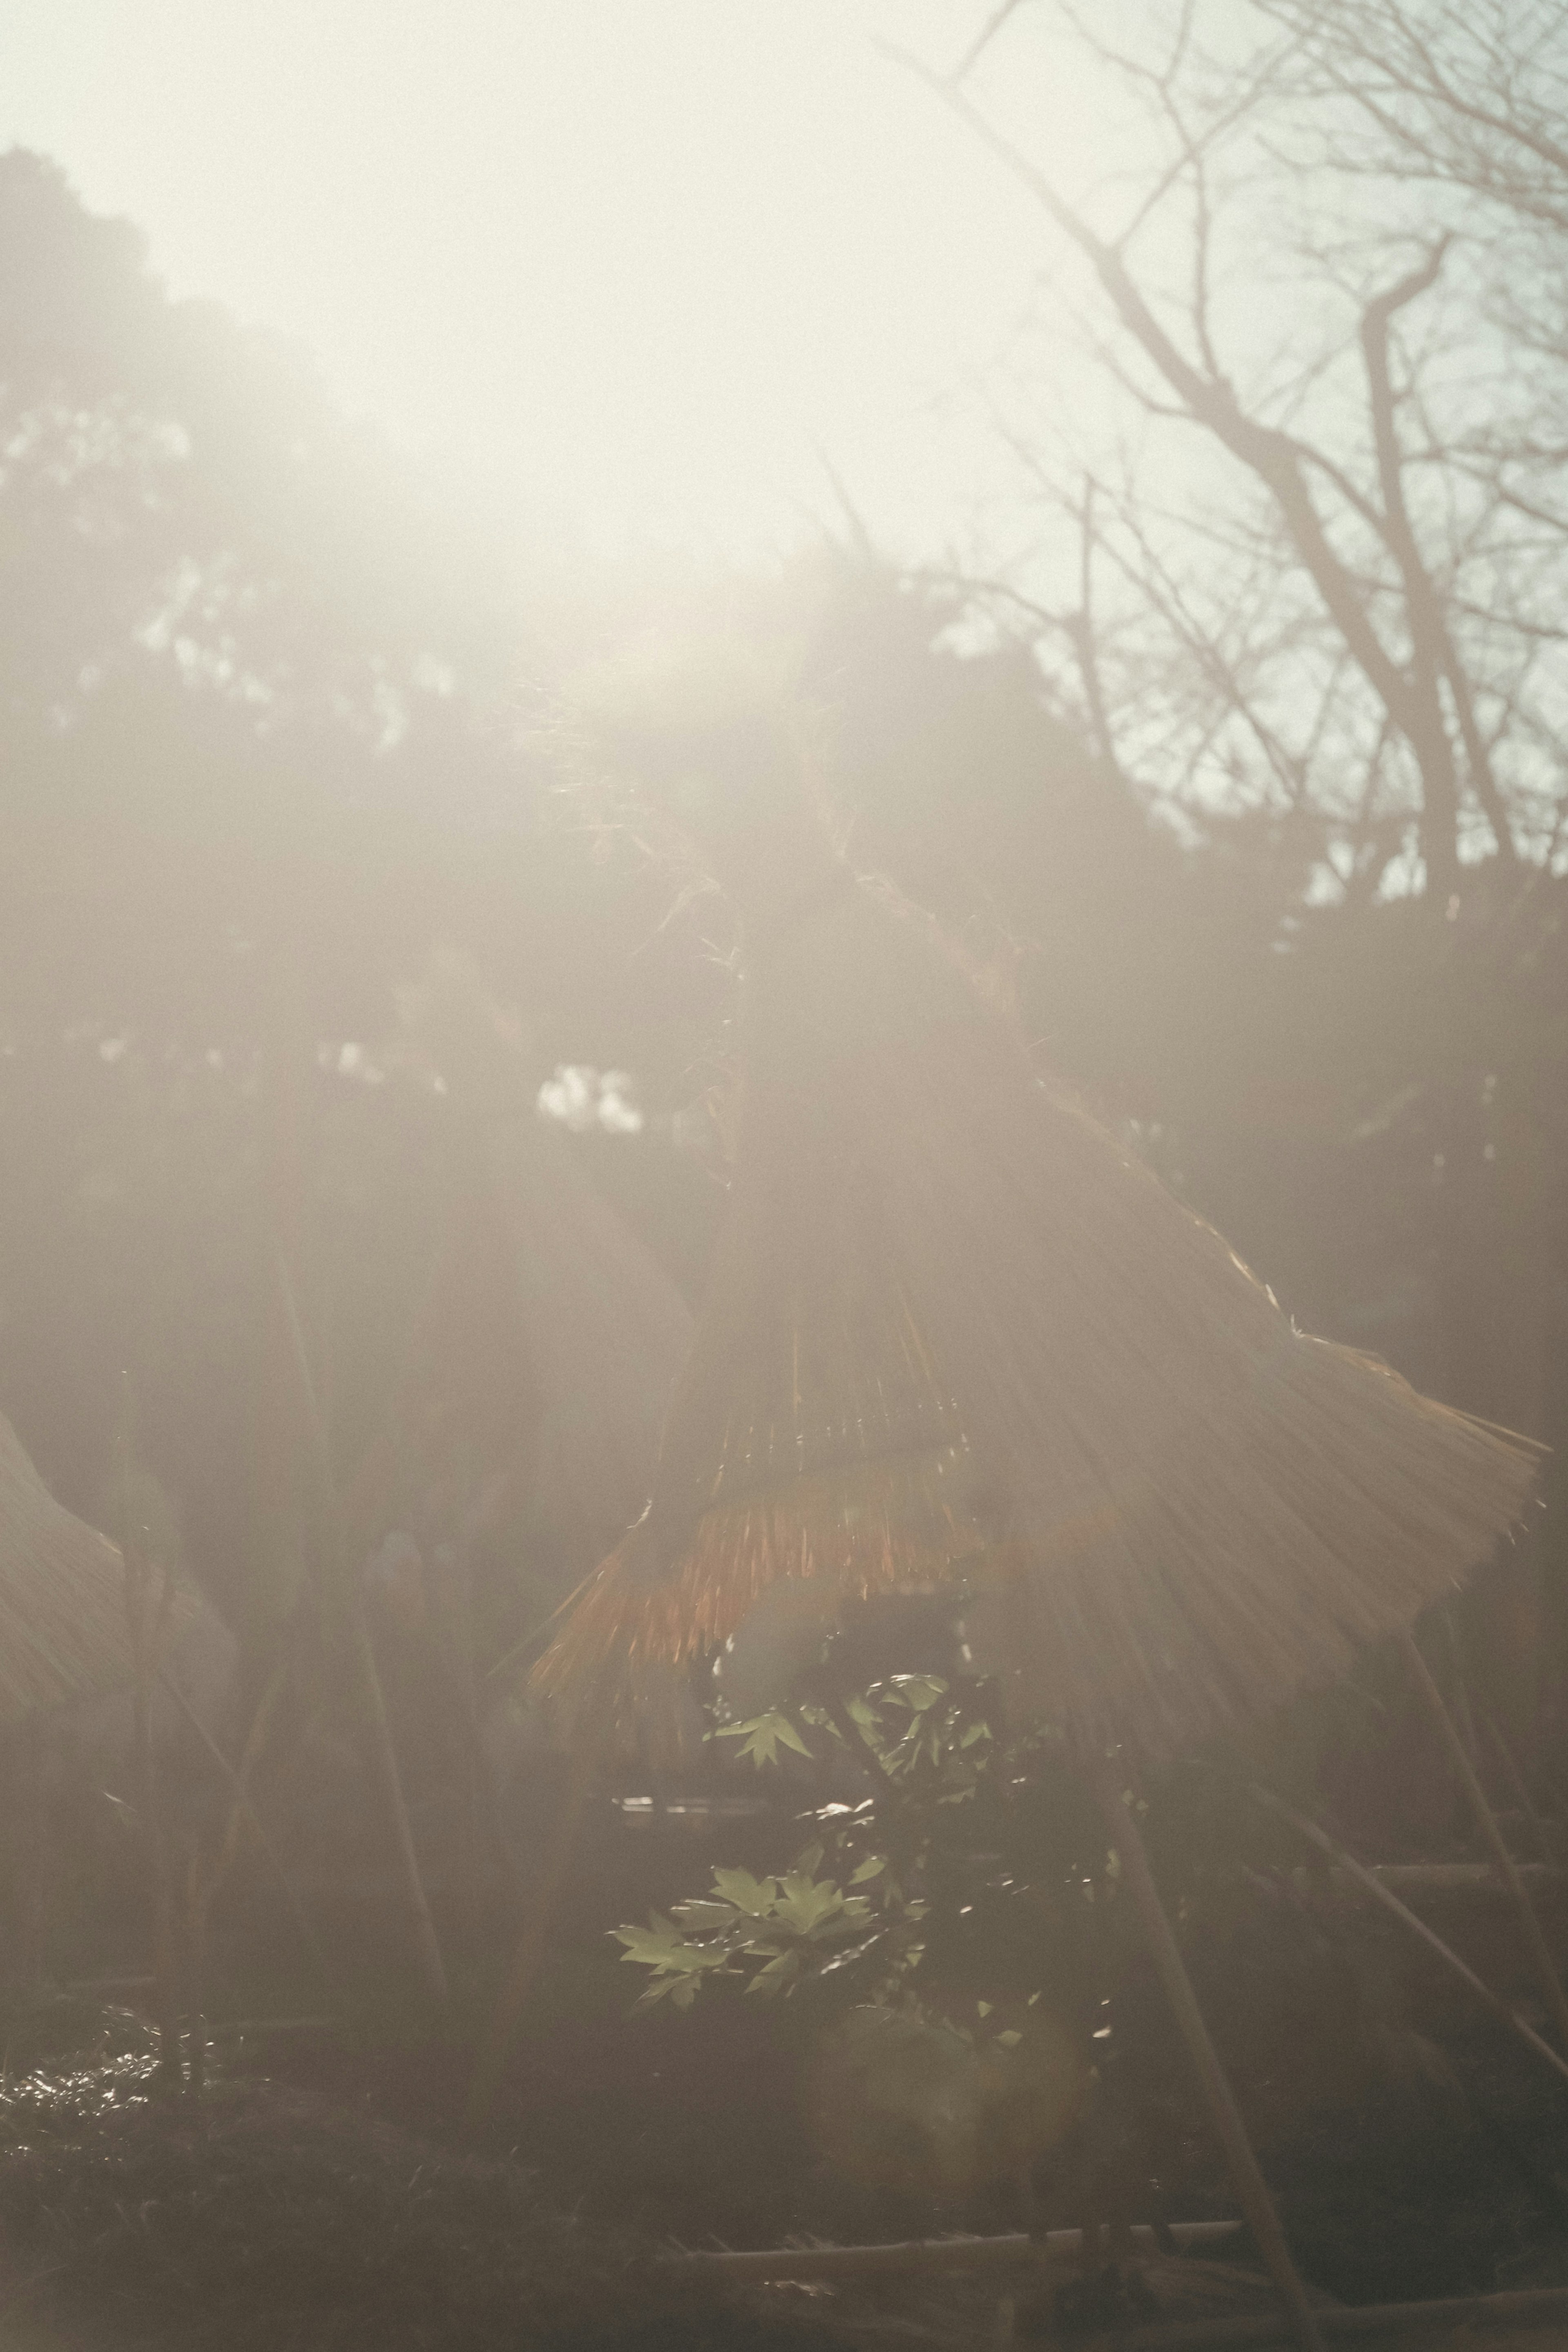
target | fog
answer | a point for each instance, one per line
(783, 1169)
(651, 270)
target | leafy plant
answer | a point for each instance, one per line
(966, 1936)
(861, 1919)
(781, 1929)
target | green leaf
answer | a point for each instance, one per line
(777, 1976)
(753, 1895)
(681, 1990)
(762, 1745)
(976, 1731)
(919, 1692)
(763, 1736)
(653, 1944)
(698, 1915)
(662, 1948)
(806, 1904)
(872, 1867)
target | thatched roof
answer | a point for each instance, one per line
(955, 1331)
(63, 1633)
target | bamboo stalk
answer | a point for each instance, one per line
(491, 2055)
(1464, 1717)
(427, 1943)
(233, 2028)
(479, 1845)
(146, 1619)
(1385, 1894)
(925, 2253)
(1251, 2187)
(205, 1881)
(37, 1854)
(243, 1808)
(1520, 1786)
(1461, 1877)
(1487, 1822)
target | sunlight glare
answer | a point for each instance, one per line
(649, 273)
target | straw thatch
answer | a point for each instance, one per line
(955, 1330)
(63, 1633)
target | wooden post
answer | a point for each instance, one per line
(1251, 2189)
(1487, 1822)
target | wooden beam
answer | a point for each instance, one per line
(924, 2253)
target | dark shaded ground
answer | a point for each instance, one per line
(1416, 2147)
(290, 2210)
(269, 2218)
(321, 2198)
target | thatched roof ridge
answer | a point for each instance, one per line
(64, 1633)
(954, 1329)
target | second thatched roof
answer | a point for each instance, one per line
(956, 1332)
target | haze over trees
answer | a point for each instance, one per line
(1242, 761)
(1251, 753)
(342, 999)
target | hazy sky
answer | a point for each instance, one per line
(639, 259)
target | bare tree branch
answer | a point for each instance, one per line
(982, 41)
(1274, 458)
(1434, 655)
